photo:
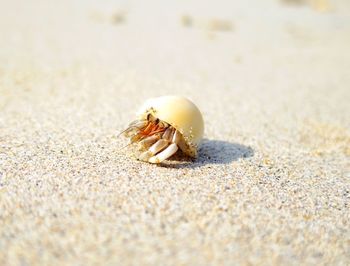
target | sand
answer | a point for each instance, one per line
(271, 185)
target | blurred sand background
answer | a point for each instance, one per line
(271, 184)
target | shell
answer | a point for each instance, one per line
(180, 113)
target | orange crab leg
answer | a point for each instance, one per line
(157, 131)
(147, 130)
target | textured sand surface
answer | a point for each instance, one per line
(272, 182)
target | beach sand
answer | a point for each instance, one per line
(271, 185)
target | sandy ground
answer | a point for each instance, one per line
(271, 184)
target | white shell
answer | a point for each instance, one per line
(180, 113)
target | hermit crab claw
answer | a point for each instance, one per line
(163, 126)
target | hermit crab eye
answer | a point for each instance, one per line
(164, 125)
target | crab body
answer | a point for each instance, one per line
(164, 125)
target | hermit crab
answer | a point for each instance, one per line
(163, 126)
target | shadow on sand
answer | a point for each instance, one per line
(212, 152)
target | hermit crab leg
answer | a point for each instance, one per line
(158, 146)
(176, 137)
(147, 142)
(147, 129)
(168, 134)
(145, 156)
(165, 154)
(133, 127)
(154, 149)
(135, 138)
(137, 122)
(170, 150)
